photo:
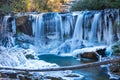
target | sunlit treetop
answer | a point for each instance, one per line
(33, 5)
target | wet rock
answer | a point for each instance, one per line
(2, 13)
(24, 25)
(90, 52)
(30, 56)
(54, 78)
(116, 48)
(115, 69)
(72, 75)
(101, 52)
(90, 55)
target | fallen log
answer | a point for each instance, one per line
(81, 66)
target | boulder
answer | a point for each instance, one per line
(90, 52)
(90, 55)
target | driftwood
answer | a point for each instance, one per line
(81, 66)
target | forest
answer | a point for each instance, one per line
(7, 6)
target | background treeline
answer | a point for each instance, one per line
(95, 4)
(30, 5)
(7, 6)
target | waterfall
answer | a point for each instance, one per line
(91, 26)
(62, 32)
(14, 26)
(47, 27)
(67, 25)
(78, 31)
(37, 29)
(4, 26)
(8, 29)
(94, 26)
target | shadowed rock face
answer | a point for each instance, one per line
(90, 52)
(24, 25)
(89, 55)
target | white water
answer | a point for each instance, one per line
(78, 31)
(14, 26)
(94, 26)
(4, 26)
(37, 29)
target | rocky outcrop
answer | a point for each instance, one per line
(24, 25)
(90, 52)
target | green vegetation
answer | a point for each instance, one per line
(7, 6)
(95, 4)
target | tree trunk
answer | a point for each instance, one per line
(81, 66)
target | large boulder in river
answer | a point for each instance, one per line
(90, 52)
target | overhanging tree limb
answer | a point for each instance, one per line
(81, 66)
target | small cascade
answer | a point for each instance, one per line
(14, 26)
(6, 36)
(4, 27)
(67, 25)
(47, 27)
(37, 29)
(78, 31)
(94, 26)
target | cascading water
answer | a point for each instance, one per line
(73, 30)
(94, 28)
(6, 36)
(48, 27)
(78, 32)
(37, 29)
(14, 26)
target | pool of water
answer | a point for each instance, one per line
(95, 73)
